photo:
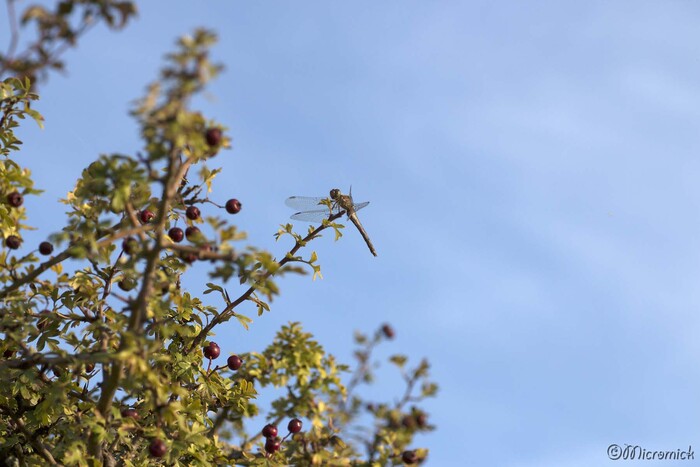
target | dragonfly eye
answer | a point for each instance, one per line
(335, 193)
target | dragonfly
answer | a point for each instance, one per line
(313, 210)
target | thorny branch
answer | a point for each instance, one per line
(229, 312)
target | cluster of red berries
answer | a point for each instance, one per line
(213, 137)
(212, 351)
(191, 233)
(417, 420)
(233, 206)
(272, 442)
(15, 200)
(158, 448)
(13, 242)
(176, 234)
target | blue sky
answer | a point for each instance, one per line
(532, 171)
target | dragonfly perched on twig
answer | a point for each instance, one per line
(312, 210)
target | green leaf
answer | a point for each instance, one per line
(38, 118)
(213, 287)
(244, 320)
(398, 360)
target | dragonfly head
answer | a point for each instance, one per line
(335, 193)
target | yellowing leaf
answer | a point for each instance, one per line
(57, 268)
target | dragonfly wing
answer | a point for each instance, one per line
(312, 216)
(359, 206)
(304, 203)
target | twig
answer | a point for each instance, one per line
(228, 312)
(202, 253)
(36, 444)
(45, 359)
(220, 419)
(35, 273)
(14, 30)
(363, 367)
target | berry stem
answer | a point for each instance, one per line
(203, 200)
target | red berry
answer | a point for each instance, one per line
(269, 431)
(130, 413)
(212, 350)
(192, 233)
(192, 213)
(13, 242)
(234, 362)
(129, 245)
(189, 257)
(409, 457)
(146, 216)
(272, 445)
(127, 284)
(294, 425)
(409, 422)
(233, 206)
(176, 234)
(14, 199)
(45, 248)
(157, 448)
(213, 136)
(89, 367)
(388, 331)
(8, 353)
(421, 420)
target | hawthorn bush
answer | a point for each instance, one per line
(95, 374)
